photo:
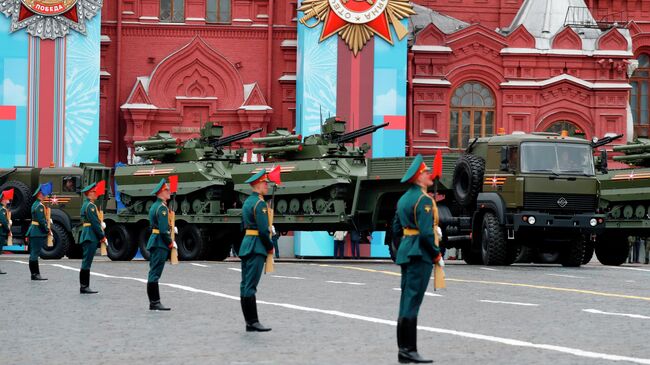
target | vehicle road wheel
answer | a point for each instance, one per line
(74, 250)
(573, 253)
(612, 249)
(468, 179)
(60, 246)
(143, 237)
(589, 253)
(493, 241)
(525, 255)
(120, 245)
(190, 243)
(22, 203)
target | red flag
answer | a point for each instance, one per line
(274, 175)
(8, 194)
(437, 166)
(173, 184)
(100, 188)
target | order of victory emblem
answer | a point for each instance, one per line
(50, 19)
(356, 21)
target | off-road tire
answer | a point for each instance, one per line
(142, 236)
(120, 245)
(574, 252)
(468, 179)
(21, 205)
(589, 253)
(612, 249)
(61, 242)
(191, 245)
(494, 247)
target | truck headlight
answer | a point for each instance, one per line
(531, 220)
(593, 222)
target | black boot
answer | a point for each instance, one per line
(84, 281)
(409, 352)
(154, 298)
(36, 272)
(249, 308)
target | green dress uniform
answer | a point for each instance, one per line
(253, 251)
(91, 234)
(415, 255)
(37, 233)
(4, 229)
(159, 246)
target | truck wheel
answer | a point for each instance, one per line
(589, 253)
(493, 241)
(120, 246)
(525, 255)
(573, 253)
(472, 257)
(612, 250)
(143, 237)
(61, 243)
(22, 203)
(190, 243)
(468, 179)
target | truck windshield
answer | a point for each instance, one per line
(557, 158)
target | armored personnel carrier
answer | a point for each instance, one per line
(321, 175)
(203, 166)
(625, 197)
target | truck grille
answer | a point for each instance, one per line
(560, 202)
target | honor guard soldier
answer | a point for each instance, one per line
(92, 233)
(38, 231)
(416, 255)
(254, 248)
(160, 243)
(5, 223)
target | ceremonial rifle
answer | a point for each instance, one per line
(173, 187)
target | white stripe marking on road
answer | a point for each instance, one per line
(596, 311)
(512, 303)
(199, 265)
(287, 277)
(488, 269)
(630, 281)
(234, 269)
(344, 282)
(426, 293)
(476, 336)
(567, 276)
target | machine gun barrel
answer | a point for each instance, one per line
(278, 149)
(158, 153)
(349, 137)
(158, 143)
(633, 148)
(278, 139)
(234, 138)
(631, 158)
(606, 140)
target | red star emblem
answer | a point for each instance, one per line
(631, 176)
(54, 200)
(494, 181)
(152, 172)
(334, 23)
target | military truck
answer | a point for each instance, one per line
(625, 198)
(510, 192)
(203, 166)
(65, 201)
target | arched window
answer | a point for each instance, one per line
(472, 114)
(564, 125)
(172, 11)
(217, 11)
(640, 96)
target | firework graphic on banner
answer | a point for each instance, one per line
(320, 86)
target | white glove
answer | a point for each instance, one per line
(174, 245)
(106, 242)
(175, 230)
(273, 230)
(439, 231)
(441, 262)
(51, 221)
(103, 225)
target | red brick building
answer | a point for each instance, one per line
(474, 66)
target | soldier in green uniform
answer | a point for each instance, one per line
(416, 255)
(160, 243)
(92, 233)
(5, 224)
(37, 233)
(254, 248)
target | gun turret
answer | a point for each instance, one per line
(606, 140)
(278, 139)
(278, 149)
(637, 153)
(234, 138)
(349, 137)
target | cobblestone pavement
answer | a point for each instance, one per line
(323, 313)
